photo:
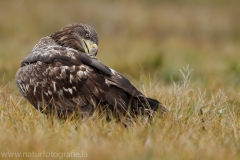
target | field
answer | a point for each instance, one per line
(185, 54)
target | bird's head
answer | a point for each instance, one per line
(78, 36)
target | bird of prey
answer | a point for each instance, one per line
(62, 75)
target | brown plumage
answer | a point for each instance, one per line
(62, 74)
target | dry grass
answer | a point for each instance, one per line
(148, 42)
(200, 125)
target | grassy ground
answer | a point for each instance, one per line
(151, 43)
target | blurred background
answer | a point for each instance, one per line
(140, 39)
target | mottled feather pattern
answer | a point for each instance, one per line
(65, 80)
(58, 86)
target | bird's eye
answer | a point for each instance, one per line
(87, 36)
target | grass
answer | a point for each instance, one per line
(151, 43)
(198, 126)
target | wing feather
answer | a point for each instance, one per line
(68, 81)
(64, 55)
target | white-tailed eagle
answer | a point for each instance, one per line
(62, 74)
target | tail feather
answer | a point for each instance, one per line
(154, 104)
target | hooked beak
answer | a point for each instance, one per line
(90, 47)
